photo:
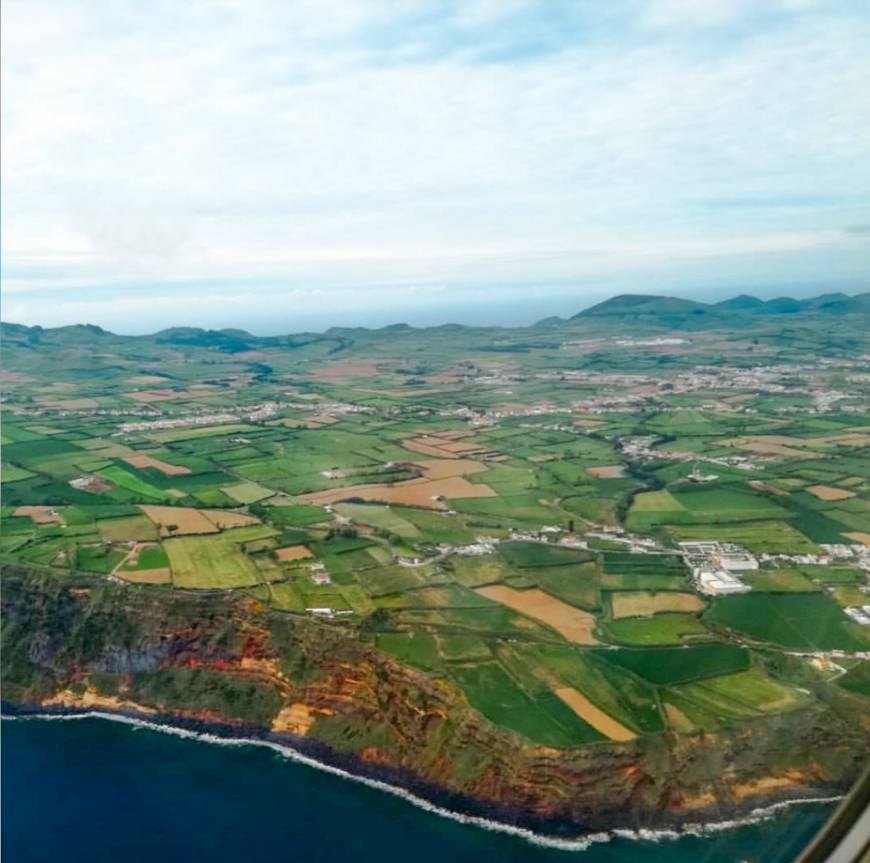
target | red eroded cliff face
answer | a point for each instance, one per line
(228, 661)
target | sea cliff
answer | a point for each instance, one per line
(222, 664)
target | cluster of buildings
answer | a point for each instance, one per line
(90, 482)
(658, 342)
(644, 447)
(714, 566)
(482, 545)
(330, 408)
(859, 613)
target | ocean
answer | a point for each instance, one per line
(94, 790)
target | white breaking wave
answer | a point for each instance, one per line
(579, 843)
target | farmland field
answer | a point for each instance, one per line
(429, 537)
(209, 562)
(123, 529)
(573, 624)
(796, 620)
(741, 693)
(678, 665)
(640, 603)
(546, 720)
(661, 629)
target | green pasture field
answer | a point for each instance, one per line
(463, 648)
(575, 584)
(283, 596)
(54, 551)
(14, 433)
(669, 665)
(545, 720)
(595, 509)
(77, 516)
(356, 598)
(727, 503)
(540, 554)
(509, 509)
(321, 596)
(779, 581)
(415, 648)
(98, 558)
(390, 579)
(17, 524)
(854, 521)
(13, 542)
(478, 571)
(186, 483)
(857, 679)
(439, 527)
(249, 533)
(150, 557)
(445, 596)
(12, 473)
(686, 422)
(341, 545)
(802, 621)
(126, 480)
(830, 574)
(661, 629)
(209, 562)
(247, 492)
(236, 454)
(627, 563)
(655, 502)
(626, 571)
(186, 434)
(638, 581)
(823, 528)
(775, 537)
(362, 558)
(741, 694)
(383, 517)
(214, 497)
(295, 516)
(33, 451)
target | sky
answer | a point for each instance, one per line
(278, 165)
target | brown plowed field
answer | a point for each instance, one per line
(572, 623)
(441, 468)
(146, 576)
(186, 519)
(596, 717)
(827, 492)
(420, 492)
(293, 552)
(428, 446)
(442, 478)
(640, 603)
(224, 519)
(40, 514)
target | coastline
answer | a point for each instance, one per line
(548, 833)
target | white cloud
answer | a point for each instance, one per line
(366, 140)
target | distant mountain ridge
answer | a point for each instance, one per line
(659, 306)
(651, 309)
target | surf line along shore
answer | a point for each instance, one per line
(546, 833)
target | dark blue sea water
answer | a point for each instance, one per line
(94, 790)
